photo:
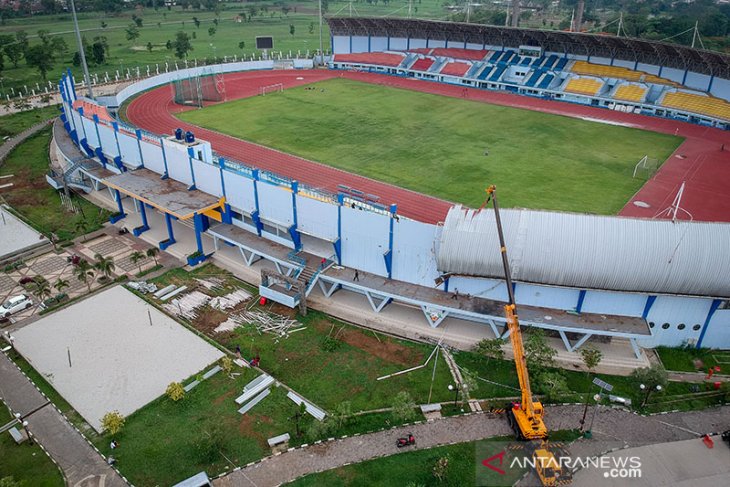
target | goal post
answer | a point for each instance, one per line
(645, 168)
(275, 88)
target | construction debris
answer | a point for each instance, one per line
(187, 304)
(211, 284)
(173, 293)
(230, 300)
(273, 324)
(142, 287)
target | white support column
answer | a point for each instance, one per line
(566, 342)
(635, 346)
(580, 342)
(377, 307)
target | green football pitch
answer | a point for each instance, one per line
(447, 147)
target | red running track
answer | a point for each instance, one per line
(699, 161)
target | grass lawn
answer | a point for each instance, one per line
(39, 203)
(677, 395)
(28, 465)
(162, 24)
(683, 359)
(435, 144)
(14, 124)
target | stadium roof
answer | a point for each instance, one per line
(590, 252)
(603, 45)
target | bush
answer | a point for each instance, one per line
(404, 408)
(112, 422)
(329, 344)
(226, 364)
(175, 391)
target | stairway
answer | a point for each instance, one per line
(306, 277)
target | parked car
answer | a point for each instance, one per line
(15, 304)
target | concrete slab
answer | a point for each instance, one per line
(16, 235)
(167, 194)
(118, 361)
(687, 463)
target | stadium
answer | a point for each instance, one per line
(611, 152)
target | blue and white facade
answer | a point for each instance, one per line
(371, 238)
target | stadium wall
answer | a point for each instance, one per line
(717, 86)
(366, 237)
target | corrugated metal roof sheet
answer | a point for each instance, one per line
(590, 252)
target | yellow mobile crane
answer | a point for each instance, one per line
(526, 417)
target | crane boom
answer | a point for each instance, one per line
(528, 416)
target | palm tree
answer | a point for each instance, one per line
(42, 287)
(137, 257)
(61, 284)
(105, 265)
(82, 226)
(152, 252)
(83, 272)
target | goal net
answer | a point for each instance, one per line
(645, 168)
(194, 90)
(275, 88)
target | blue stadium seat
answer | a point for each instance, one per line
(497, 73)
(495, 56)
(533, 79)
(538, 62)
(561, 64)
(550, 61)
(525, 61)
(545, 83)
(485, 73)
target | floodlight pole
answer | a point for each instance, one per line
(82, 55)
(321, 48)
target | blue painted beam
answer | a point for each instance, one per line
(198, 223)
(389, 254)
(338, 242)
(255, 215)
(115, 218)
(713, 307)
(647, 307)
(581, 298)
(138, 133)
(145, 224)
(164, 160)
(170, 235)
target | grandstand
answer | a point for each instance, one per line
(590, 69)
(372, 58)
(584, 85)
(634, 92)
(598, 70)
(696, 103)
(455, 69)
(423, 64)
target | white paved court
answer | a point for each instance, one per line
(118, 360)
(15, 235)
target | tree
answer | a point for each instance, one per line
(112, 422)
(441, 468)
(149, 47)
(242, 44)
(182, 45)
(654, 379)
(292, 29)
(297, 417)
(136, 258)
(21, 37)
(175, 391)
(84, 272)
(196, 21)
(104, 25)
(311, 27)
(9, 482)
(490, 348)
(81, 226)
(341, 415)
(403, 407)
(132, 33)
(137, 20)
(226, 364)
(99, 50)
(553, 385)
(591, 358)
(211, 31)
(105, 265)
(152, 252)
(41, 58)
(468, 384)
(285, 9)
(168, 45)
(538, 353)
(61, 284)
(42, 287)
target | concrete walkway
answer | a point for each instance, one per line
(16, 140)
(80, 463)
(613, 428)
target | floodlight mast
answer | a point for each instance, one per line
(82, 54)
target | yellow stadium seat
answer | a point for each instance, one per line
(583, 86)
(705, 105)
(589, 69)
